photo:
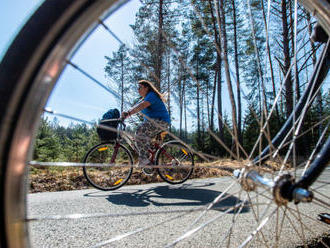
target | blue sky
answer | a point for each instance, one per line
(75, 94)
(80, 96)
(14, 13)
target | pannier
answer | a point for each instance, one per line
(108, 121)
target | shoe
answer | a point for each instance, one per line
(147, 171)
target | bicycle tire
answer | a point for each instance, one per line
(34, 45)
(174, 175)
(21, 91)
(111, 181)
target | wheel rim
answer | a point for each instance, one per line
(108, 178)
(16, 171)
(23, 139)
(176, 157)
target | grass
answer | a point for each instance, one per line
(50, 179)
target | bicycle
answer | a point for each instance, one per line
(172, 160)
(45, 46)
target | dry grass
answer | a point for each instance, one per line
(51, 179)
(72, 178)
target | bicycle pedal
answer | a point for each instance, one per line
(324, 217)
(148, 171)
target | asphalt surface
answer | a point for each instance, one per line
(158, 209)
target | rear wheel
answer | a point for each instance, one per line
(117, 166)
(179, 162)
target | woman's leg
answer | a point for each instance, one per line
(144, 133)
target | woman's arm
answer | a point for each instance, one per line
(142, 105)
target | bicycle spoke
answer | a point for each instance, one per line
(321, 194)
(279, 227)
(274, 154)
(259, 217)
(190, 57)
(258, 229)
(235, 216)
(309, 217)
(323, 182)
(219, 198)
(294, 228)
(325, 204)
(111, 215)
(192, 231)
(125, 235)
(316, 147)
(86, 74)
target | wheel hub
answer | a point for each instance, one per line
(283, 188)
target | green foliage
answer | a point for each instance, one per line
(152, 39)
(188, 66)
(57, 143)
(251, 130)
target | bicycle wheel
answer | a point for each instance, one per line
(28, 74)
(175, 156)
(108, 178)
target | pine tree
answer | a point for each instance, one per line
(153, 30)
(119, 69)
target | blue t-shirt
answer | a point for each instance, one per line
(157, 109)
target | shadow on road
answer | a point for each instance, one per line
(184, 195)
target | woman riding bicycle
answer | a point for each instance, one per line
(156, 119)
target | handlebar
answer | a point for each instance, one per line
(120, 121)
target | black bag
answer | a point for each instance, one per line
(105, 134)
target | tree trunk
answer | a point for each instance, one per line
(287, 60)
(185, 115)
(219, 100)
(319, 94)
(198, 105)
(310, 30)
(122, 84)
(238, 87)
(181, 92)
(221, 17)
(270, 64)
(213, 100)
(217, 75)
(160, 45)
(297, 84)
(208, 105)
(169, 85)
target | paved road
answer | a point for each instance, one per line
(144, 199)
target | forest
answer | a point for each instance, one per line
(225, 67)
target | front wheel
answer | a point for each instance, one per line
(177, 160)
(110, 166)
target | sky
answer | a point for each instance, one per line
(86, 99)
(75, 94)
(14, 13)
